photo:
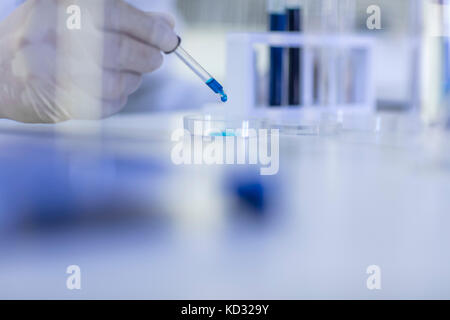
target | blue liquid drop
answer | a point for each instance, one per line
(217, 88)
(224, 97)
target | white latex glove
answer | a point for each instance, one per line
(49, 73)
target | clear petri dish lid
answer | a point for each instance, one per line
(208, 125)
(381, 122)
(299, 126)
(211, 125)
(296, 129)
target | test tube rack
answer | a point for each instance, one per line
(242, 75)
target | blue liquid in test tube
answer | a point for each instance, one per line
(294, 23)
(446, 69)
(201, 72)
(277, 22)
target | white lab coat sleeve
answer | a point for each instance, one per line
(8, 6)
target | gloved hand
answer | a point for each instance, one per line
(50, 72)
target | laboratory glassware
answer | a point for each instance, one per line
(207, 78)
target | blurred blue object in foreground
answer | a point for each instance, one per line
(48, 188)
(251, 192)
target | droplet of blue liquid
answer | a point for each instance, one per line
(225, 133)
(224, 97)
(217, 88)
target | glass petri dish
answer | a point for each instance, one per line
(208, 125)
(298, 126)
(296, 129)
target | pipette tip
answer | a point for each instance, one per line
(217, 88)
(223, 97)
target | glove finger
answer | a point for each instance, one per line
(151, 29)
(127, 54)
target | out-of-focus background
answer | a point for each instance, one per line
(206, 24)
(354, 189)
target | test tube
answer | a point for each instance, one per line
(277, 22)
(333, 71)
(192, 64)
(348, 79)
(294, 24)
(317, 22)
(446, 54)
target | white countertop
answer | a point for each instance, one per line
(338, 204)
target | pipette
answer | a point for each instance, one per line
(199, 71)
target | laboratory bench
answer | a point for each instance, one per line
(106, 196)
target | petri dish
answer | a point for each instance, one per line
(296, 129)
(213, 125)
(208, 125)
(381, 122)
(296, 124)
